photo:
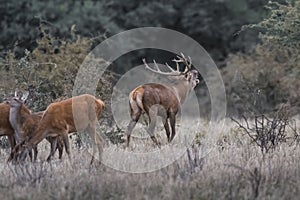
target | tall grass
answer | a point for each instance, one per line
(229, 166)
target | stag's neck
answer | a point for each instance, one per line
(182, 90)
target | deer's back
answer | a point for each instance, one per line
(159, 94)
(75, 113)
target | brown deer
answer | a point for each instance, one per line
(80, 113)
(161, 99)
(24, 123)
(5, 127)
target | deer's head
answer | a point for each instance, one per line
(18, 100)
(188, 76)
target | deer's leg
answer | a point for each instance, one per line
(164, 116)
(67, 144)
(25, 151)
(152, 119)
(12, 143)
(60, 147)
(167, 128)
(53, 143)
(172, 122)
(134, 119)
(35, 150)
(30, 155)
(97, 143)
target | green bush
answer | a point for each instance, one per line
(49, 71)
(269, 76)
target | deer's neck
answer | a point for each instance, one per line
(182, 90)
(15, 120)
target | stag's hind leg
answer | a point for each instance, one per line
(167, 128)
(152, 119)
(165, 117)
(134, 119)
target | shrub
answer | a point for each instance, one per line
(270, 73)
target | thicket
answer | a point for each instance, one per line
(213, 23)
(257, 81)
(49, 71)
(260, 82)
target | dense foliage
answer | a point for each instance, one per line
(49, 71)
(269, 76)
(213, 23)
(258, 78)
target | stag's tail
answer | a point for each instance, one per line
(136, 100)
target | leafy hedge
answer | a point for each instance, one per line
(49, 71)
(269, 76)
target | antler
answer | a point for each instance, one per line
(158, 71)
(187, 62)
(181, 59)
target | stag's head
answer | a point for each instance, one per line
(189, 75)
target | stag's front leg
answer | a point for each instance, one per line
(172, 122)
(165, 117)
(167, 128)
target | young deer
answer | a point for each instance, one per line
(5, 127)
(160, 99)
(24, 123)
(80, 113)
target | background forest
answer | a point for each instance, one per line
(254, 43)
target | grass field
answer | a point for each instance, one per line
(223, 164)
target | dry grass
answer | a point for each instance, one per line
(229, 167)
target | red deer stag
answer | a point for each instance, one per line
(160, 99)
(24, 122)
(80, 113)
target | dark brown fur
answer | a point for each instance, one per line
(163, 100)
(153, 99)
